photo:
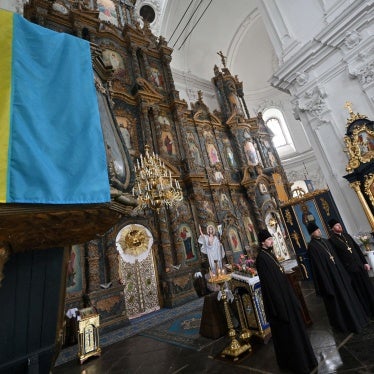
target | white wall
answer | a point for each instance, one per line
(327, 69)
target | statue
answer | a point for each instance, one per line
(212, 247)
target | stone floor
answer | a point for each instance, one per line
(336, 353)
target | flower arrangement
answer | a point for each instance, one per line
(365, 239)
(245, 266)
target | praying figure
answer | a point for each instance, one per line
(212, 247)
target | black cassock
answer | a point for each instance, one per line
(353, 261)
(283, 311)
(333, 283)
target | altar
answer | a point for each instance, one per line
(248, 290)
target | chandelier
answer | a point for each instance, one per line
(154, 186)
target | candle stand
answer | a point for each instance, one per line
(235, 348)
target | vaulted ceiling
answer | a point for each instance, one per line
(198, 29)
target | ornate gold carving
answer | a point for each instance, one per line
(295, 236)
(369, 187)
(303, 198)
(360, 146)
(352, 116)
(325, 206)
(134, 240)
(353, 154)
(288, 216)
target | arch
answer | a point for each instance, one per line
(275, 122)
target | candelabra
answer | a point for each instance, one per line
(235, 348)
(154, 186)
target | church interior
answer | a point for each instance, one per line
(225, 116)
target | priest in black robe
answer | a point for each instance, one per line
(355, 263)
(333, 284)
(292, 347)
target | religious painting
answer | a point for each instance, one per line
(156, 77)
(185, 234)
(306, 213)
(168, 143)
(195, 153)
(114, 59)
(213, 155)
(365, 142)
(250, 153)
(250, 230)
(224, 201)
(107, 11)
(74, 278)
(277, 231)
(243, 204)
(207, 207)
(272, 159)
(235, 244)
(230, 157)
(124, 127)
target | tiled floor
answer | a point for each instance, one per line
(336, 353)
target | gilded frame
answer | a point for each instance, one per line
(360, 147)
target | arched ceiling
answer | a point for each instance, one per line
(198, 29)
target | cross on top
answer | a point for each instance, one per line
(223, 58)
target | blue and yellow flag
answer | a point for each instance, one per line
(51, 142)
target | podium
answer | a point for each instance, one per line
(88, 334)
(249, 291)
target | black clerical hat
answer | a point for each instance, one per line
(263, 235)
(312, 227)
(332, 222)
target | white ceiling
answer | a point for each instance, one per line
(198, 29)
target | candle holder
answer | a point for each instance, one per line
(235, 348)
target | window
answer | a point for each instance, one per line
(275, 122)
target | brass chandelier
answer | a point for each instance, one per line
(154, 186)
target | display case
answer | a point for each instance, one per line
(249, 291)
(88, 334)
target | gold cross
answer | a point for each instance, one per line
(348, 105)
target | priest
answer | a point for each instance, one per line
(291, 342)
(355, 263)
(333, 284)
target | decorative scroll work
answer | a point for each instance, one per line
(369, 187)
(314, 102)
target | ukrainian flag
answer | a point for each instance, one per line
(51, 142)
